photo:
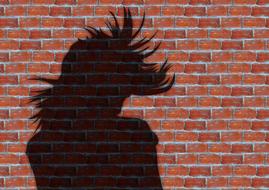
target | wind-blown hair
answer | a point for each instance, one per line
(108, 55)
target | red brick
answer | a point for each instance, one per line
(37, 34)
(232, 102)
(209, 159)
(221, 57)
(52, 23)
(186, 136)
(257, 102)
(165, 136)
(209, 102)
(231, 136)
(177, 170)
(199, 171)
(16, 91)
(175, 125)
(221, 113)
(186, 102)
(260, 182)
(244, 56)
(15, 11)
(217, 182)
(9, 159)
(38, 11)
(245, 2)
(239, 148)
(209, 80)
(240, 182)
(220, 33)
(230, 22)
(260, 11)
(154, 113)
(30, 45)
(240, 11)
(187, 45)
(189, 79)
(194, 125)
(254, 159)
(245, 113)
(173, 182)
(218, 91)
(262, 114)
(264, 33)
(239, 91)
(228, 45)
(231, 159)
(209, 44)
(217, 11)
(194, 11)
(177, 113)
(216, 125)
(254, 79)
(238, 34)
(222, 170)
(186, 159)
(224, 2)
(8, 80)
(200, 114)
(174, 34)
(15, 182)
(171, 11)
(169, 102)
(254, 22)
(186, 22)
(261, 147)
(209, 23)
(262, 2)
(259, 125)
(263, 171)
(197, 90)
(197, 147)
(74, 22)
(65, 2)
(262, 57)
(254, 45)
(171, 148)
(240, 125)
(195, 68)
(194, 182)
(219, 148)
(204, 137)
(197, 33)
(163, 22)
(8, 22)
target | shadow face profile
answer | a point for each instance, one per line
(81, 141)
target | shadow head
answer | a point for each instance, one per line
(112, 61)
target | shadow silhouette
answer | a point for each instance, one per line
(81, 141)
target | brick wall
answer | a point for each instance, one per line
(211, 126)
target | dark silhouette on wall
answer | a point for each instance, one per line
(81, 142)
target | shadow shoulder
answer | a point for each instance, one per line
(136, 123)
(139, 127)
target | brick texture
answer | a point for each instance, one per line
(212, 125)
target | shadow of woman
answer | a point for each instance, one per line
(81, 141)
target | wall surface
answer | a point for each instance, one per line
(212, 125)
